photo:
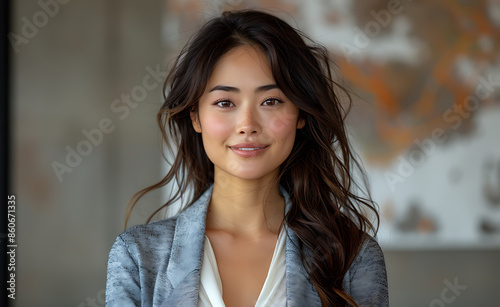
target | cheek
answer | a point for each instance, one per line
(215, 127)
(284, 124)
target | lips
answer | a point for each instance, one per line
(248, 146)
(248, 149)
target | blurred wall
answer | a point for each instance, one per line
(81, 85)
(93, 66)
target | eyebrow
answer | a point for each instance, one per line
(226, 88)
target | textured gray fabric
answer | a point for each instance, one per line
(159, 264)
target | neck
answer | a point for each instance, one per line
(246, 207)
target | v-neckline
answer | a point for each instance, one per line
(279, 247)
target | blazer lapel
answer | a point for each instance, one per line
(186, 256)
(299, 289)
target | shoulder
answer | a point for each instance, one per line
(370, 255)
(367, 276)
(157, 237)
(144, 254)
(139, 238)
(134, 252)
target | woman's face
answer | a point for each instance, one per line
(247, 124)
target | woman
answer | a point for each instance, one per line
(261, 142)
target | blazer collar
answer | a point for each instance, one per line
(186, 256)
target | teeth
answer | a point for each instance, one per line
(248, 149)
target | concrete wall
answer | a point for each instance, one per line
(69, 77)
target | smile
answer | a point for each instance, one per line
(248, 151)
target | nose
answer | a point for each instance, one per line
(248, 122)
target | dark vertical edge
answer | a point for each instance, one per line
(5, 187)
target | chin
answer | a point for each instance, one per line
(245, 171)
(253, 174)
(248, 175)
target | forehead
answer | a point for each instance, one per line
(242, 64)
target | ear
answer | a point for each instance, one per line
(195, 120)
(301, 123)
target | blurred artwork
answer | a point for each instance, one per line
(491, 181)
(491, 192)
(416, 66)
(426, 115)
(414, 220)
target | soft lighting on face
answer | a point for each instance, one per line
(247, 124)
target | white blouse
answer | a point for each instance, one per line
(273, 292)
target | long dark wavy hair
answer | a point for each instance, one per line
(327, 214)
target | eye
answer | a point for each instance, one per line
(224, 104)
(271, 102)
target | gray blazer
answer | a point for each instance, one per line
(159, 264)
